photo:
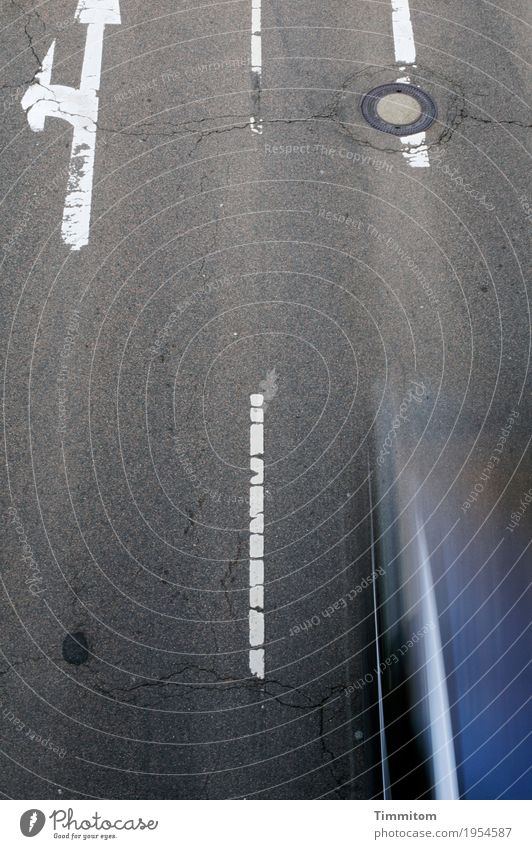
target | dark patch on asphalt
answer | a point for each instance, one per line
(76, 648)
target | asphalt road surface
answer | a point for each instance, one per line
(243, 231)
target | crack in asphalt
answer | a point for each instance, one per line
(269, 687)
(497, 121)
(331, 114)
(33, 13)
(182, 130)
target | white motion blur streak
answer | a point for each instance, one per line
(415, 150)
(79, 107)
(439, 715)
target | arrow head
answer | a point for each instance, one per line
(39, 93)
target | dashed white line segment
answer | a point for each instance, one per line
(256, 536)
(415, 149)
(403, 34)
(256, 59)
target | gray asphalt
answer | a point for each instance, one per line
(311, 256)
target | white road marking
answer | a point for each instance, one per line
(256, 439)
(256, 545)
(415, 149)
(256, 536)
(79, 107)
(256, 59)
(256, 36)
(403, 34)
(256, 662)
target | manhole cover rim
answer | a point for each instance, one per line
(370, 101)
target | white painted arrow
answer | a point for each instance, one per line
(78, 107)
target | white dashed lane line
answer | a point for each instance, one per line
(256, 61)
(79, 107)
(403, 34)
(256, 537)
(415, 149)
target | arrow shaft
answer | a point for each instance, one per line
(92, 60)
(78, 201)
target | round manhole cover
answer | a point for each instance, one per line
(401, 109)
